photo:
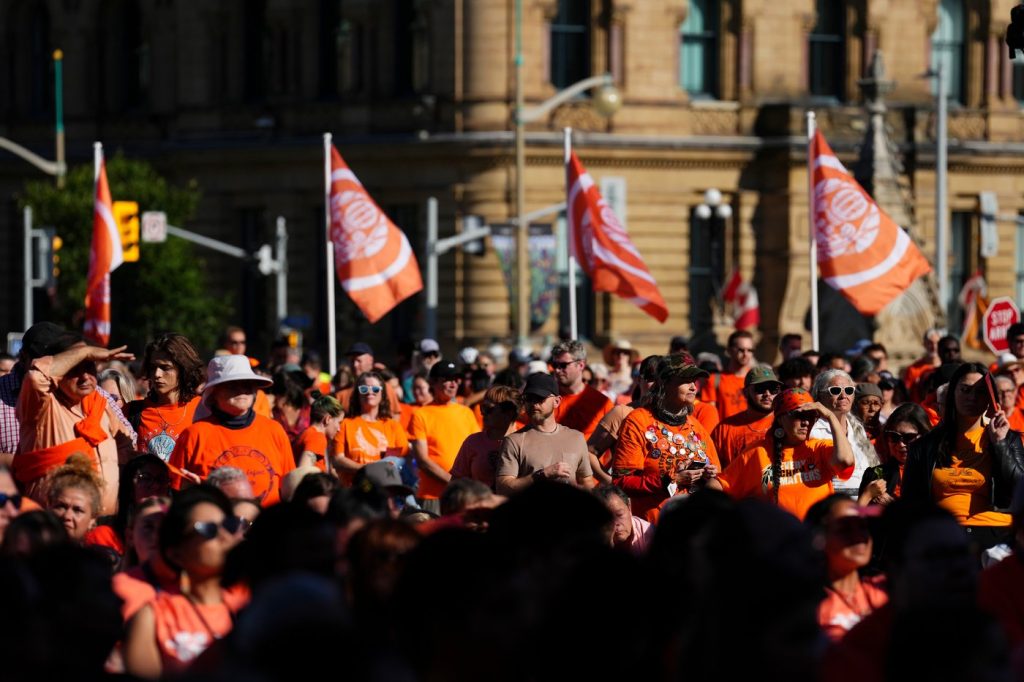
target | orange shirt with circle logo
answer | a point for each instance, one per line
(261, 450)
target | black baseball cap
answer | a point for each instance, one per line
(540, 385)
(359, 348)
(39, 339)
(445, 370)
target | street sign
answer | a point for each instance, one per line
(154, 227)
(126, 215)
(1000, 314)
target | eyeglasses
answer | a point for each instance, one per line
(905, 438)
(14, 499)
(870, 402)
(770, 389)
(366, 390)
(563, 365)
(208, 530)
(839, 390)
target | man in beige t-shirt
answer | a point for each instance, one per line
(544, 449)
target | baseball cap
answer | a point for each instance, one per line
(384, 475)
(429, 346)
(675, 367)
(468, 355)
(359, 348)
(760, 374)
(791, 399)
(867, 388)
(38, 338)
(521, 354)
(540, 385)
(445, 370)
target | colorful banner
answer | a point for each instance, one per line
(542, 247)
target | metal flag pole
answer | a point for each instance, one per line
(332, 350)
(566, 155)
(813, 232)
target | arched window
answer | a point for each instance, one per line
(827, 51)
(948, 48)
(570, 43)
(698, 49)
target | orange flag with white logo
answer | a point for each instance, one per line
(373, 258)
(862, 252)
(104, 257)
(603, 248)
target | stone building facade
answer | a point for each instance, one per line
(419, 96)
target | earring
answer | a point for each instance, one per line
(778, 432)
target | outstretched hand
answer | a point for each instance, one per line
(107, 354)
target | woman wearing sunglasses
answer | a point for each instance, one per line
(369, 431)
(970, 463)
(10, 500)
(882, 484)
(478, 456)
(789, 468)
(165, 636)
(834, 389)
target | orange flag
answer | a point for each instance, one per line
(862, 253)
(104, 257)
(603, 248)
(372, 257)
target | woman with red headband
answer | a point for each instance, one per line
(787, 468)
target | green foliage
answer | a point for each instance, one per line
(165, 290)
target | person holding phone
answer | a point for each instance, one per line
(971, 462)
(788, 468)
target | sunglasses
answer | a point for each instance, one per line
(506, 406)
(563, 365)
(150, 478)
(803, 415)
(208, 530)
(839, 390)
(366, 390)
(770, 389)
(14, 499)
(905, 438)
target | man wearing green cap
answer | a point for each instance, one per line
(737, 433)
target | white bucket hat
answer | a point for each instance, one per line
(225, 368)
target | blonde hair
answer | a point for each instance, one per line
(76, 472)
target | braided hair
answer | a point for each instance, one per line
(778, 435)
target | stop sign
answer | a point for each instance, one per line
(1000, 314)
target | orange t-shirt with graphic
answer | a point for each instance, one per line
(364, 441)
(806, 475)
(729, 398)
(837, 614)
(706, 414)
(185, 629)
(584, 410)
(443, 428)
(648, 452)
(964, 489)
(261, 450)
(739, 433)
(312, 440)
(161, 425)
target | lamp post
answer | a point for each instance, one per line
(711, 210)
(607, 101)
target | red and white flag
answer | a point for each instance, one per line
(732, 287)
(747, 310)
(603, 248)
(862, 252)
(104, 257)
(373, 258)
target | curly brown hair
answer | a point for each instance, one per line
(180, 351)
(354, 406)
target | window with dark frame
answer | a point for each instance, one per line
(948, 48)
(827, 51)
(570, 43)
(698, 50)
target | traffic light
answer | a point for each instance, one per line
(126, 215)
(50, 246)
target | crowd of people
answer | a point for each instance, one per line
(485, 515)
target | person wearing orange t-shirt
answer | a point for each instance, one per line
(662, 449)
(582, 407)
(310, 448)
(438, 431)
(737, 434)
(233, 434)
(729, 397)
(605, 437)
(842, 532)
(787, 468)
(369, 432)
(167, 635)
(913, 373)
(175, 372)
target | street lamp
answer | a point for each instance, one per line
(712, 208)
(607, 101)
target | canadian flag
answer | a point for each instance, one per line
(105, 255)
(602, 247)
(746, 308)
(373, 259)
(862, 252)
